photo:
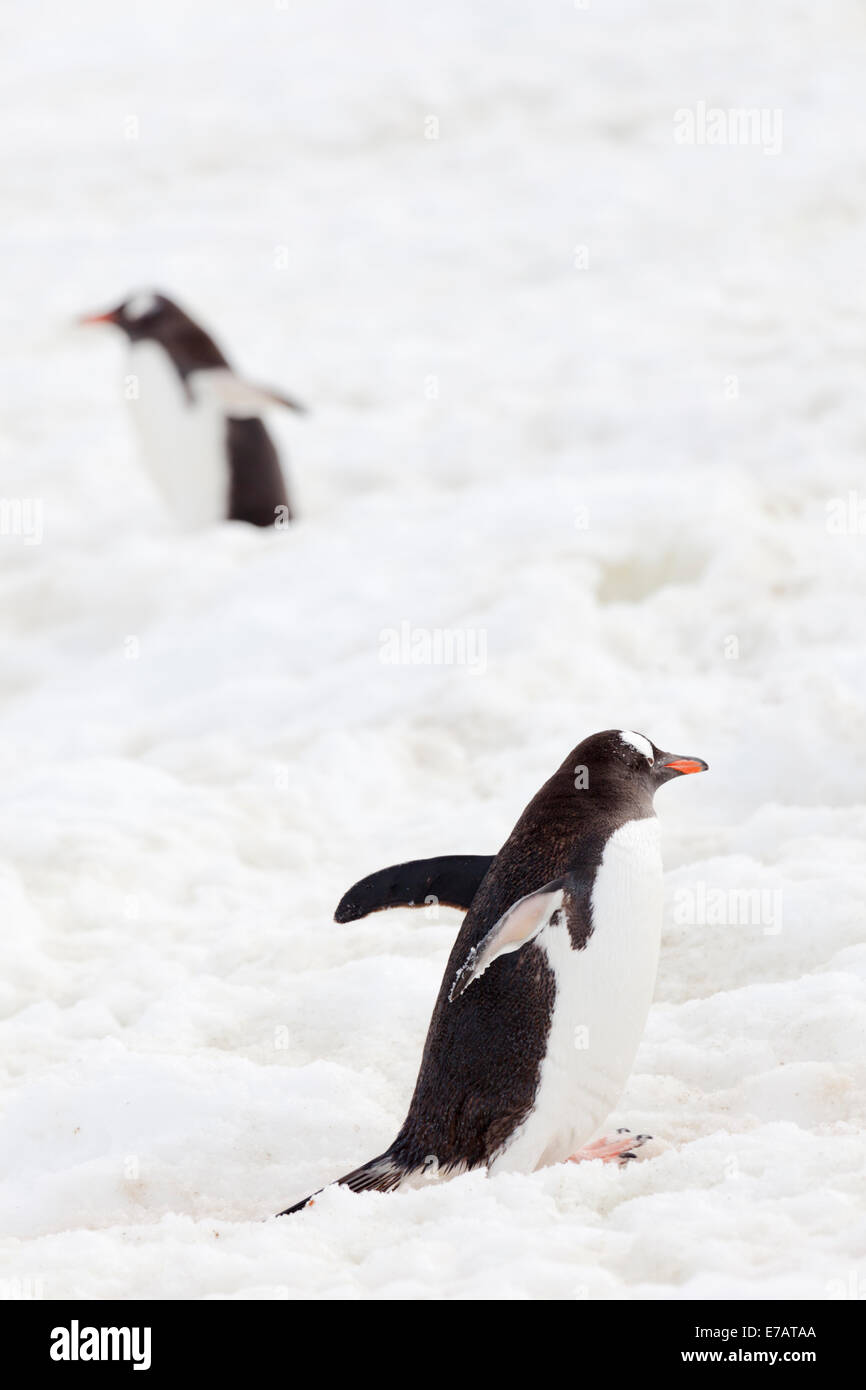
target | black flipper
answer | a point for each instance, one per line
(452, 880)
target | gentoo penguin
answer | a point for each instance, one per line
(548, 986)
(197, 423)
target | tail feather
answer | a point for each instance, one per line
(380, 1174)
(299, 1206)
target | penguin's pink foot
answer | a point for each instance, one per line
(618, 1148)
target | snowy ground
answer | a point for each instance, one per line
(578, 390)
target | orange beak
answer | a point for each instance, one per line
(97, 318)
(687, 765)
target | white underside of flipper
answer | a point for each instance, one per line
(603, 996)
(182, 438)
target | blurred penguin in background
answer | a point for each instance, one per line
(198, 426)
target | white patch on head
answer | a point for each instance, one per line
(139, 306)
(637, 741)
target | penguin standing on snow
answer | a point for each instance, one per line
(548, 986)
(198, 424)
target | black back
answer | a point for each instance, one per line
(257, 487)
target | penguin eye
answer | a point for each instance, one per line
(651, 762)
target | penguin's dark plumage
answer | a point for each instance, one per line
(502, 1082)
(198, 423)
(451, 880)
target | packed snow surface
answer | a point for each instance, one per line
(586, 450)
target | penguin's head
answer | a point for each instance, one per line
(144, 315)
(620, 759)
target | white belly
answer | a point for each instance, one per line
(603, 996)
(182, 442)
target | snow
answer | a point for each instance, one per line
(583, 395)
